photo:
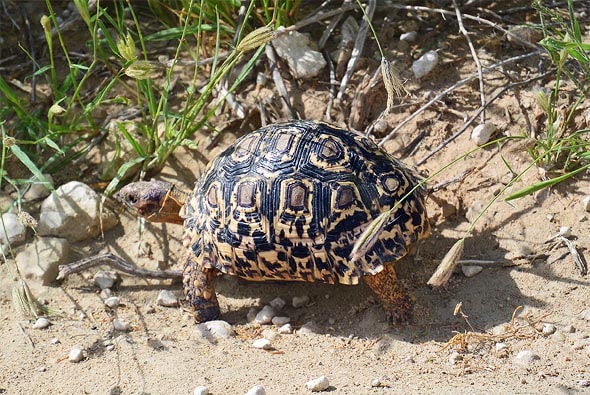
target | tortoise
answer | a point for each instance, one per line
(288, 202)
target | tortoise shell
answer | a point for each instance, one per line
(288, 202)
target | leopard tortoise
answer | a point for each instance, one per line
(288, 202)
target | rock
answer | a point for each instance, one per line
(471, 270)
(425, 64)
(112, 302)
(409, 36)
(76, 355)
(285, 329)
(317, 385)
(251, 316)
(265, 315)
(303, 61)
(256, 390)
(375, 383)
(39, 190)
(586, 203)
(201, 390)
(501, 347)
(121, 325)
(167, 298)
(106, 293)
(105, 279)
(73, 212)
(280, 320)
(218, 329)
(548, 329)
(40, 260)
(482, 133)
(263, 344)
(41, 323)
(309, 328)
(300, 301)
(525, 358)
(277, 303)
(15, 231)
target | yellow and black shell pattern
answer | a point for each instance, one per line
(288, 202)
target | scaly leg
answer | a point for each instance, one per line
(199, 288)
(396, 300)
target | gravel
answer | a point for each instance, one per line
(167, 298)
(41, 323)
(256, 390)
(317, 385)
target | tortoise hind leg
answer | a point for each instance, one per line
(396, 300)
(199, 288)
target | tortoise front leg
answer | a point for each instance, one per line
(396, 300)
(199, 288)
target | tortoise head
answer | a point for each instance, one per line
(156, 201)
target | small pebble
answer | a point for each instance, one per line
(280, 320)
(425, 64)
(525, 358)
(482, 133)
(375, 383)
(548, 329)
(584, 383)
(201, 390)
(317, 385)
(42, 369)
(408, 36)
(112, 302)
(500, 346)
(285, 329)
(218, 328)
(256, 390)
(277, 303)
(300, 301)
(55, 340)
(586, 203)
(167, 298)
(106, 293)
(41, 323)
(105, 279)
(265, 315)
(308, 328)
(263, 344)
(471, 270)
(76, 355)
(121, 325)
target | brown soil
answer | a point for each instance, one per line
(508, 301)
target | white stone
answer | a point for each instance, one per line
(73, 212)
(40, 260)
(217, 328)
(263, 344)
(317, 385)
(285, 329)
(121, 325)
(303, 61)
(41, 323)
(277, 303)
(280, 320)
(525, 358)
(548, 329)
(15, 231)
(586, 203)
(112, 302)
(300, 301)
(76, 355)
(455, 357)
(425, 64)
(201, 390)
(500, 346)
(409, 36)
(167, 298)
(256, 390)
(471, 270)
(375, 383)
(105, 279)
(265, 315)
(482, 133)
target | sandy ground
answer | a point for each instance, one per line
(508, 302)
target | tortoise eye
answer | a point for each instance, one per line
(131, 198)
